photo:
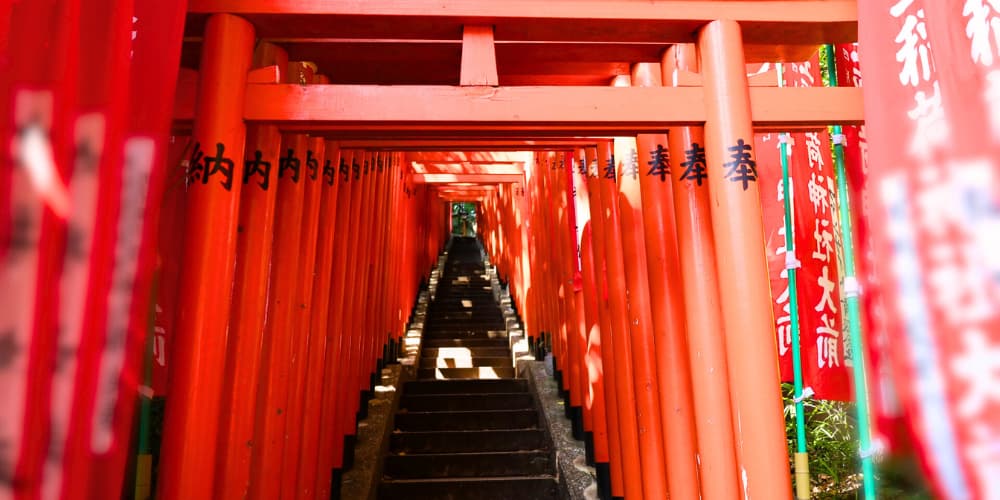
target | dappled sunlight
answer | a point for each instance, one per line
(482, 372)
(453, 357)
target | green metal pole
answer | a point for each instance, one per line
(851, 291)
(144, 458)
(802, 482)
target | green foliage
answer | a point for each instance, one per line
(463, 218)
(833, 462)
(834, 465)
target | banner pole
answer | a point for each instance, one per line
(851, 292)
(802, 482)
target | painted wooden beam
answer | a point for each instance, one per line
(669, 21)
(479, 57)
(586, 109)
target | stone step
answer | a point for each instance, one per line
(462, 325)
(434, 352)
(466, 402)
(467, 420)
(481, 488)
(433, 333)
(478, 305)
(469, 343)
(467, 441)
(494, 464)
(458, 361)
(480, 372)
(467, 316)
(505, 386)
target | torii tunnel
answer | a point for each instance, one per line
(434, 209)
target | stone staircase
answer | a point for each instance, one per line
(466, 428)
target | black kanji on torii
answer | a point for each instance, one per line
(345, 170)
(694, 165)
(289, 162)
(329, 174)
(312, 165)
(356, 168)
(202, 167)
(743, 168)
(631, 167)
(609, 169)
(582, 165)
(257, 166)
(658, 163)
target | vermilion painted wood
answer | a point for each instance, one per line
(190, 430)
(302, 333)
(633, 470)
(368, 291)
(479, 58)
(526, 221)
(366, 262)
(709, 371)
(354, 309)
(587, 312)
(550, 269)
(604, 337)
(565, 109)
(394, 282)
(448, 111)
(350, 345)
(269, 54)
(634, 274)
(660, 239)
(671, 362)
(739, 237)
(802, 22)
(250, 294)
(562, 234)
(255, 236)
(555, 200)
(699, 283)
(376, 271)
(331, 437)
(384, 269)
(322, 337)
(397, 281)
(522, 63)
(544, 261)
(275, 379)
(575, 335)
(402, 272)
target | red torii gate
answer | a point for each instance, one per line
(524, 70)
